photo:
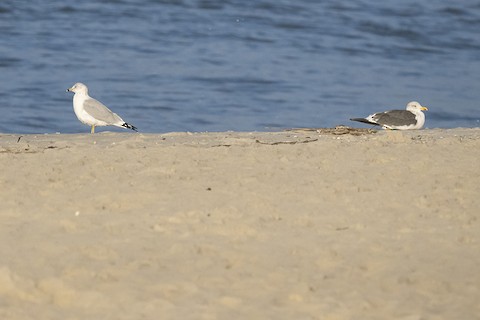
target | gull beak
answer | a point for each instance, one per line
(69, 89)
(424, 108)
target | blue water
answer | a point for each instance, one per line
(206, 65)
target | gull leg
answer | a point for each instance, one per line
(93, 129)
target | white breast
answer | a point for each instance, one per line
(82, 115)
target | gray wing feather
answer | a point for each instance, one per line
(395, 118)
(100, 112)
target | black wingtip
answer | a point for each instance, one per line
(129, 126)
(362, 120)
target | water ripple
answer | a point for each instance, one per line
(237, 65)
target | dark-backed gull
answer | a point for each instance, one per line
(411, 118)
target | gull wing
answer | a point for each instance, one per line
(394, 118)
(100, 112)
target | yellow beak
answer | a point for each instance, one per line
(424, 108)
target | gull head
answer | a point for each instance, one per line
(78, 88)
(415, 106)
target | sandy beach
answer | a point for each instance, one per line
(307, 224)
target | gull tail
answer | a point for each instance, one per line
(129, 126)
(363, 120)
